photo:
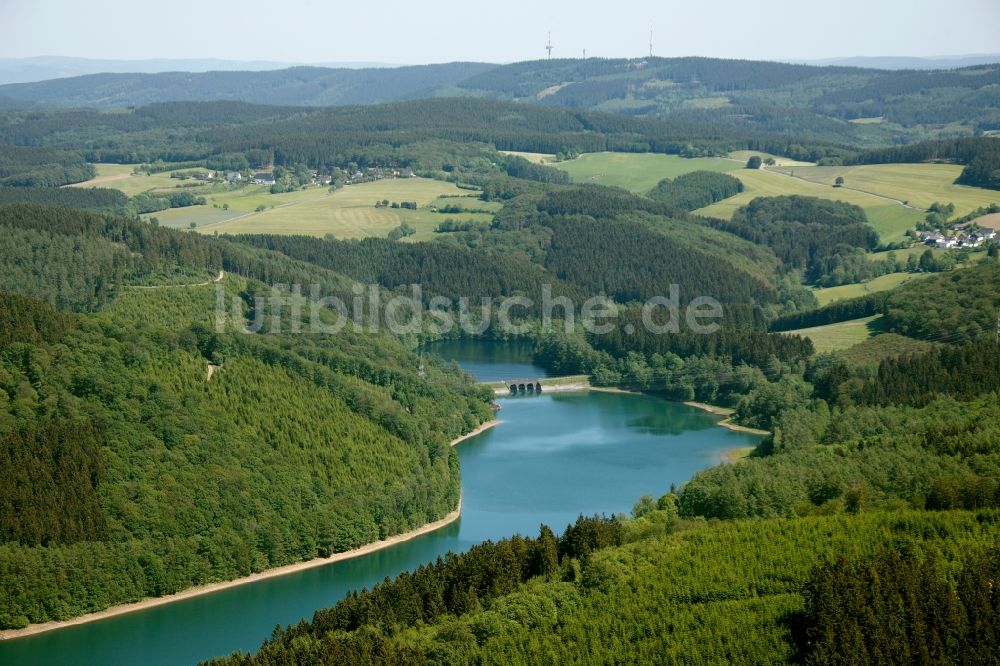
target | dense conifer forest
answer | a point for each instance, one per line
(697, 189)
(119, 455)
(683, 591)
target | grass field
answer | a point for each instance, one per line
(889, 219)
(835, 337)
(919, 185)
(892, 221)
(882, 283)
(876, 188)
(537, 158)
(120, 177)
(902, 255)
(638, 172)
(347, 213)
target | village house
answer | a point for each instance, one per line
(233, 176)
(960, 239)
(263, 178)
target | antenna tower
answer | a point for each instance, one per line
(650, 39)
(548, 47)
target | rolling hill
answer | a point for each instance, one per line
(821, 101)
(307, 86)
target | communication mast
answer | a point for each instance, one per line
(548, 47)
(651, 39)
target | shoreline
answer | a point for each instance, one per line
(483, 427)
(733, 456)
(726, 421)
(208, 588)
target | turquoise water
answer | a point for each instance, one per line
(554, 457)
(490, 361)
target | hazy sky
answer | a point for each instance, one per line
(423, 31)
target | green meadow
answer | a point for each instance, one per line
(638, 172)
(889, 219)
(919, 185)
(881, 283)
(348, 212)
(878, 189)
(835, 337)
(121, 177)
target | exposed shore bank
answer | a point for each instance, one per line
(481, 429)
(153, 602)
(727, 421)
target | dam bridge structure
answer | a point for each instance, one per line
(516, 386)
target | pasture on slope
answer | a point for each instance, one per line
(840, 336)
(879, 189)
(894, 196)
(349, 212)
(889, 219)
(121, 177)
(919, 185)
(638, 172)
(875, 285)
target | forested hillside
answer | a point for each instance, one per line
(962, 306)
(25, 166)
(697, 189)
(134, 471)
(422, 134)
(679, 591)
(806, 233)
(862, 529)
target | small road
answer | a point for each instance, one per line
(843, 187)
(218, 278)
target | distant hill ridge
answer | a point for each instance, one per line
(304, 86)
(44, 68)
(631, 84)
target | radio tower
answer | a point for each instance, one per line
(548, 47)
(650, 39)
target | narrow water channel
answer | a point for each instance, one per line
(555, 456)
